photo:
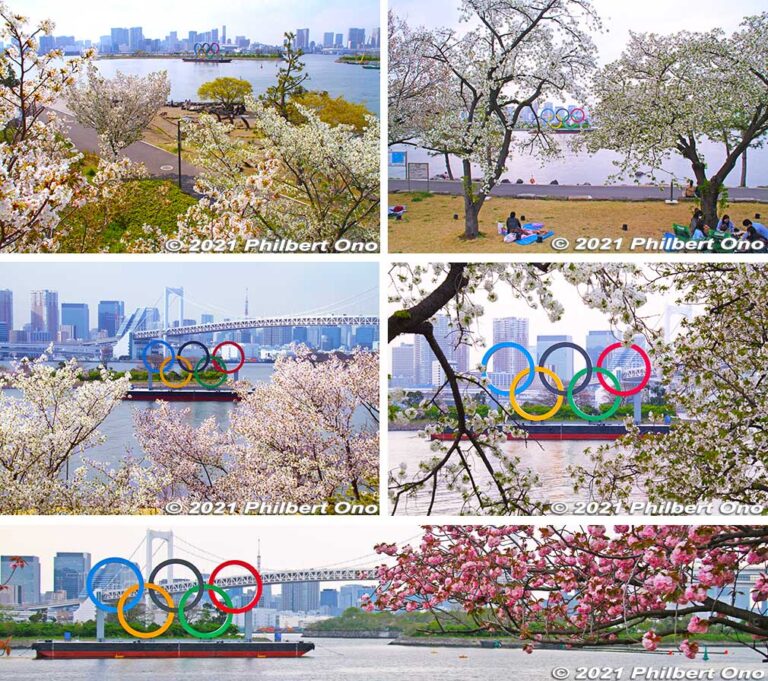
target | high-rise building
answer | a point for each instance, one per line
(224, 35)
(6, 315)
(560, 361)
(514, 330)
(403, 366)
(44, 317)
(111, 315)
(120, 39)
(301, 596)
(350, 595)
(330, 338)
(328, 39)
(46, 44)
(356, 38)
(136, 39)
(214, 35)
(597, 341)
(339, 42)
(299, 335)
(329, 598)
(24, 582)
(423, 355)
(302, 39)
(365, 337)
(70, 571)
(375, 40)
(76, 315)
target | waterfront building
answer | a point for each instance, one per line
(301, 596)
(46, 44)
(597, 341)
(423, 355)
(560, 361)
(120, 39)
(135, 39)
(23, 583)
(515, 330)
(328, 39)
(69, 572)
(330, 338)
(403, 366)
(76, 315)
(339, 42)
(110, 316)
(351, 595)
(44, 317)
(356, 38)
(6, 314)
(302, 39)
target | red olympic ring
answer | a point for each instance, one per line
(643, 383)
(582, 119)
(242, 357)
(259, 587)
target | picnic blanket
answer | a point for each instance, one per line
(533, 238)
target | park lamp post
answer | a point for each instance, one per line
(186, 119)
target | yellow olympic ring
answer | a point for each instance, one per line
(140, 634)
(183, 383)
(534, 417)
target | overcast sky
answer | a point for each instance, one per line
(215, 288)
(286, 543)
(262, 21)
(619, 17)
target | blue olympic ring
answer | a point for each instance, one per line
(120, 561)
(156, 341)
(531, 368)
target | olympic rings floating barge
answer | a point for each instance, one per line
(89, 650)
(182, 395)
(573, 431)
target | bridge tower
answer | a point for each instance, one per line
(167, 537)
(671, 311)
(169, 293)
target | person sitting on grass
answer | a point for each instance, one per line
(756, 228)
(690, 190)
(726, 225)
(697, 228)
(513, 224)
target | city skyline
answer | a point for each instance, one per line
(209, 292)
(348, 543)
(577, 319)
(158, 20)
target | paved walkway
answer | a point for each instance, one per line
(159, 163)
(564, 191)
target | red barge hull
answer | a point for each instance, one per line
(571, 431)
(99, 650)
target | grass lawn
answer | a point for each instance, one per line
(148, 202)
(429, 227)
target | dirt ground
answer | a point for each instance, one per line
(429, 225)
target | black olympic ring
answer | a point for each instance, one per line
(185, 563)
(203, 368)
(563, 393)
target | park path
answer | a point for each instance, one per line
(159, 163)
(564, 191)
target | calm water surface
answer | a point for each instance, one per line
(580, 167)
(350, 81)
(358, 660)
(550, 459)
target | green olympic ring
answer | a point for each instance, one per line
(189, 628)
(599, 417)
(222, 367)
